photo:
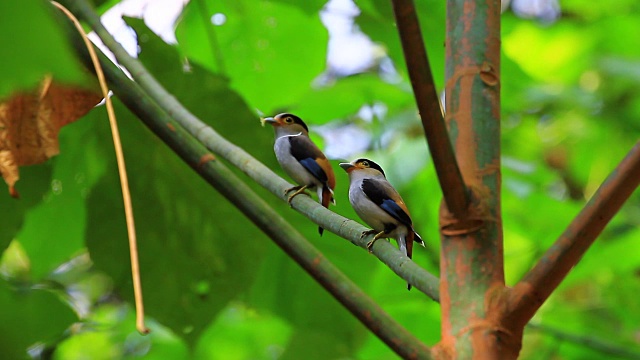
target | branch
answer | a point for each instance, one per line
(343, 227)
(587, 341)
(260, 213)
(529, 294)
(424, 90)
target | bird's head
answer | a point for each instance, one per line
(363, 165)
(288, 122)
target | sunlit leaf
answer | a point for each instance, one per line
(255, 48)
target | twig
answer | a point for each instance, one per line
(424, 90)
(587, 341)
(529, 294)
(348, 229)
(122, 171)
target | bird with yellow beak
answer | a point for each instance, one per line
(301, 159)
(379, 205)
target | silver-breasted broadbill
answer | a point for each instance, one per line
(301, 159)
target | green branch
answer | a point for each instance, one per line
(343, 227)
(260, 213)
(587, 341)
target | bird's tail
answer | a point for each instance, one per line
(326, 196)
(416, 237)
(411, 237)
(406, 247)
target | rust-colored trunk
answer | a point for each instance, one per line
(472, 256)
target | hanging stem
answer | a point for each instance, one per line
(122, 171)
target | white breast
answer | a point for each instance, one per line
(369, 212)
(290, 165)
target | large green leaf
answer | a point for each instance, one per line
(271, 51)
(34, 183)
(195, 249)
(37, 47)
(53, 231)
(30, 316)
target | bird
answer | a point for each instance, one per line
(379, 205)
(301, 159)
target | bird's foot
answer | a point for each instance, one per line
(375, 238)
(367, 233)
(298, 190)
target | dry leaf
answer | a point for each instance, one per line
(30, 122)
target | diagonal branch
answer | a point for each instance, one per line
(424, 90)
(348, 229)
(260, 213)
(529, 294)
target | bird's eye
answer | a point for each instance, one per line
(288, 119)
(365, 163)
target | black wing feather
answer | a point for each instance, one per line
(375, 192)
(307, 157)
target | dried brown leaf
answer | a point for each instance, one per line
(30, 123)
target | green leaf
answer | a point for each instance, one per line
(57, 224)
(34, 183)
(37, 47)
(269, 56)
(30, 316)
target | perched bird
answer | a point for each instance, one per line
(301, 159)
(380, 206)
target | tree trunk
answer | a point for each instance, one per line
(472, 255)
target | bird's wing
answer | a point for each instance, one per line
(388, 199)
(312, 159)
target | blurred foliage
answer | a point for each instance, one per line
(215, 287)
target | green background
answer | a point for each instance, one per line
(215, 286)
